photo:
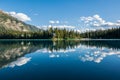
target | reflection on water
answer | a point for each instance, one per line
(19, 53)
(19, 62)
(12, 52)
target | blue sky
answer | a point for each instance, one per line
(67, 12)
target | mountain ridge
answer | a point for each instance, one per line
(8, 22)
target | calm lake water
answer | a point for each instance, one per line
(60, 60)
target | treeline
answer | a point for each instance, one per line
(55, 33)
(113, 33)
(41, 34)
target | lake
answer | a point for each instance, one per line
(60, 60)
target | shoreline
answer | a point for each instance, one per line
(55, 39)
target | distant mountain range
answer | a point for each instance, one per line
(7, 22)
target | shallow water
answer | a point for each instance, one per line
(60, 60)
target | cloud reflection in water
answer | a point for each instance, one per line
(19, 62)
(83, 52)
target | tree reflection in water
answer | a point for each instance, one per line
(14, 51)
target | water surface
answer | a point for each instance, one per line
(60, 60)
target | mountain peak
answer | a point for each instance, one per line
(8, 22)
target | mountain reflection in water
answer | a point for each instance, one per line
(59, 60)
(12, 53)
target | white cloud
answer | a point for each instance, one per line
(51, 22)
(54, 22)
(97, 21)
(64, 26)
(118, 21)
(20, 16)
(57, 26)
(19, 62)
(57, 22)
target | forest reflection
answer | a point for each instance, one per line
(12, 51)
